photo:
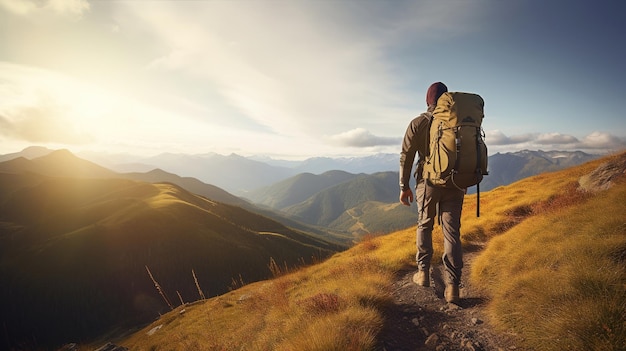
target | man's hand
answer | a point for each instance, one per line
(406, 197)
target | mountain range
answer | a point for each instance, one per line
(240, 175)
(76, 240)
(368, 203)
(237, 174)
(507, 168)
(355, 203)
(321, 203)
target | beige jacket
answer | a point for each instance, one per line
(415, 141)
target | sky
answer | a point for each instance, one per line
(294, 79)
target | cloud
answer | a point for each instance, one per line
(19, 7)
(240, 63)
(44, 123)
(295, 68)
(600, 140)
(555, 139)
(40, 106)
(70, 8)
(596, 141)
(360, 137)
(496, 137)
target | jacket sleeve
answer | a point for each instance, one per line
(407, 155)
(415, 142)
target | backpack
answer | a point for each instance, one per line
(457, 155)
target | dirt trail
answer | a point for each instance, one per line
(420, 319)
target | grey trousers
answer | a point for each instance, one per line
(450, 203)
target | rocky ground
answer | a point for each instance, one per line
(420, 318)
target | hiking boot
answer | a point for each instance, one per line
(422, 278)
(452, 293)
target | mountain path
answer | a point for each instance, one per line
(420, 319)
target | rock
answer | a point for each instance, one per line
(416, 322)
(476, 321)
(449, 307)
(472, 346)
(478, 346)
(432, 341)
(459, 334)
(603, 177)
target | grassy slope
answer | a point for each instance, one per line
(560, 278)
(329, 306)
(297, 188)
(336, 305)
(73, 252)
(374, 217)
(327, 205)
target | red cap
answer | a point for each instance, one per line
(434, 92)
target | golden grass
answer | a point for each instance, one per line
(560, 279)
(504, 207)
(329, 306)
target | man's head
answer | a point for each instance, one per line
(434, 92)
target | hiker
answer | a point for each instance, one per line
(432, 200)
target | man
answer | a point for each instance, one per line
(430, 200)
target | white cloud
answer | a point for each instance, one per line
(556, 139)
(496, 137)
(297, 68)
(46, 122)
(40, 106)
(596, 141)
(600, 140)
(360, 137)
(276, 72)
(19, 7)
(70, 8)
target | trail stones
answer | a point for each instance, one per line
(432, 341)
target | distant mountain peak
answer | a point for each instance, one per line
(63, 163)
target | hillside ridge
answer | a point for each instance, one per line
(75, 250)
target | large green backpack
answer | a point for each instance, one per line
(457, 151)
